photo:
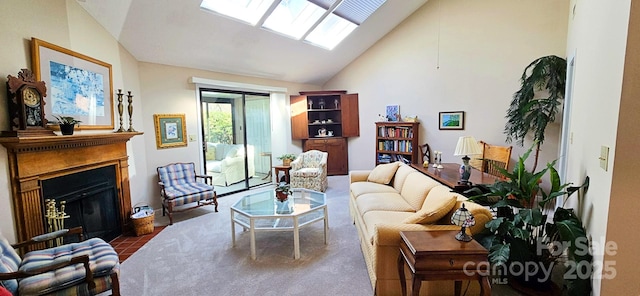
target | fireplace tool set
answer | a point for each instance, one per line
(55, 219)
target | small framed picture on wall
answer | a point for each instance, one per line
(453, 120)
(393, 112)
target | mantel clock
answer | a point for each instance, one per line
(26, 106)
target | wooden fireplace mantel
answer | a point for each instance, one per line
(33, 159)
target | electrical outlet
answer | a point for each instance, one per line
(192, 138)
(604, 157)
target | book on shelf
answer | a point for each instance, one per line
(403, 159)
(384, 158)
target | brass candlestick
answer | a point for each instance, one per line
(120, 110)
(130, 109)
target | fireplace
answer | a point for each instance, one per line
(91, 201)
(34, 161)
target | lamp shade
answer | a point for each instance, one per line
(462, 217)
(467, 145)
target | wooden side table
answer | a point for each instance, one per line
(437, 255)
(284, 169)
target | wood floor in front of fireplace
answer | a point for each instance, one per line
(127, 244)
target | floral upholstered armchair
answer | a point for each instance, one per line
(309, 171)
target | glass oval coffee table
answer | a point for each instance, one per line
(263, 212)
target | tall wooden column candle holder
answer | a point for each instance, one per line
(120, 110)
(130, 109)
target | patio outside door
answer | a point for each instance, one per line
(237, 139)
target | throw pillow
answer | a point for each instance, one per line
(232, 152)
(434, 208)
(383, 173)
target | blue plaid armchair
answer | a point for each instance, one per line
(179, 185)
(86, 268)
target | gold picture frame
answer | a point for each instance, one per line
(171, 130)
(77, 85)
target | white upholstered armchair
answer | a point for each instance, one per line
(309, 171)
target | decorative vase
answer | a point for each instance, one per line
(67, 129)
(286, 162)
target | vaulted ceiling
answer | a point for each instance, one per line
(179, 33)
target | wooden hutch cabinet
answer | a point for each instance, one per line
(323, 120)
(397, 141)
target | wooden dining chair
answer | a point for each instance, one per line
(492, 158)
(496, 156)
(425, 151)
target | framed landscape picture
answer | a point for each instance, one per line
(171, 130)
(77, 85)
(453, 120)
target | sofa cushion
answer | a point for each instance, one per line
(372, 218)
(383, 173)
(382, 202)
(416, 187)
(401, 175)
(434, 207)
(232, 151)
(211, 151)
(360, 188)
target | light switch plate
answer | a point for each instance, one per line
(604, 157)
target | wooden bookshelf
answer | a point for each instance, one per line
(397, 141)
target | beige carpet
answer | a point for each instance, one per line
(194, 256)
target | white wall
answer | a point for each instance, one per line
(455, 55)
(605, 114)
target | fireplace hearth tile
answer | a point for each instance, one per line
(127, 244)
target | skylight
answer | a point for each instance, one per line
(250, 11)
(323, 23)
(294, 17)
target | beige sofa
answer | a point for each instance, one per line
(393, 198)
(225, 163)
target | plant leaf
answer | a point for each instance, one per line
(499, 254)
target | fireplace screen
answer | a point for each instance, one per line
(90, 201)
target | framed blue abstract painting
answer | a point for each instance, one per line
(77, 85)
(393, 112)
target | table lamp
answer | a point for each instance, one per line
(467, 145)
(462, 217)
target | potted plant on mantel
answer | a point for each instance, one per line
(67, 124)
(530, 111)
(527, 239)
(287, 158)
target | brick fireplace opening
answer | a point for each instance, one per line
(36, 161)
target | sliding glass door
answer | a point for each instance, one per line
(236, 137)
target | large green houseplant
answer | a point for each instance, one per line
(526, 238)
(536, 103)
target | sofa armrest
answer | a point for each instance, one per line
(389, 234)
(296, 164)
(358, 175)
(229, 162)
(205, 178)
